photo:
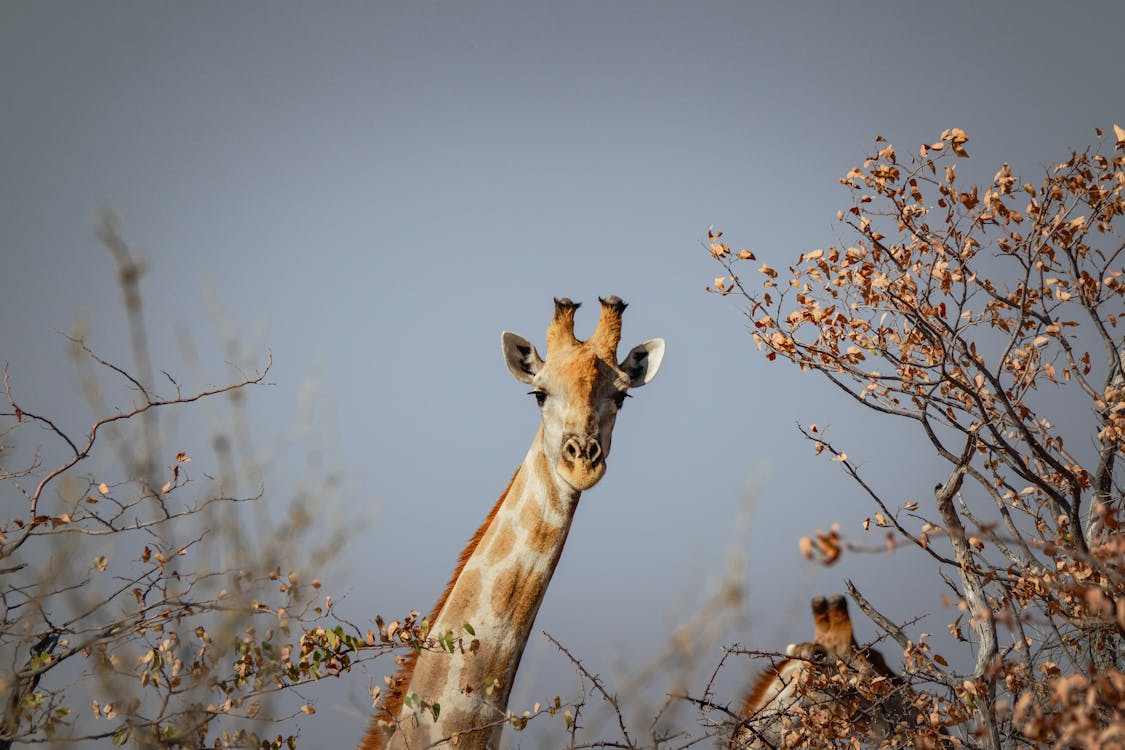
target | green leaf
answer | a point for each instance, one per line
(469, 629)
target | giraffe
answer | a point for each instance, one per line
(834, 631)
(881, 701)
(779, 692)
(502, 574)
(853, 684)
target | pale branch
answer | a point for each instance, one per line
(1107, 456)
(979, 609)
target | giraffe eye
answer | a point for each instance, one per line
(619, 398)
(540, 396)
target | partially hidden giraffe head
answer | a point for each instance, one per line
(834, 631)
(778, 687)
(581, 386)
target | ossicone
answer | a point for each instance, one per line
(608, 333)
(560, 332)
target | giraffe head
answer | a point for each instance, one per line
(580, 387)
(834, 631)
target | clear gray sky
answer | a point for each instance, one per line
(376, 190)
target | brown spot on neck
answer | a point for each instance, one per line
(517, 594)
(503, 540)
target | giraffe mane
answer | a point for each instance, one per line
(796, 652)
(391, 704)
(762, 683)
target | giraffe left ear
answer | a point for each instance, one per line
(520, 355)
(642, 362)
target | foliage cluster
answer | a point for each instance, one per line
(989, 320)
(143, 585)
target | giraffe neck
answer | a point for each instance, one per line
(497, 589)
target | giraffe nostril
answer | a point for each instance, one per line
(594, 452)
(572, 449)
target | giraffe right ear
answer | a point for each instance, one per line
(520, 355)
(643, 361)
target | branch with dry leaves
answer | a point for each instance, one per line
(135, 608)
(987, 317)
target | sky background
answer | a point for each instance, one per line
(374, 191)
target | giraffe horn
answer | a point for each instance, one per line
(608, 333)
(820, 619)
(560, 332)
(840, 623)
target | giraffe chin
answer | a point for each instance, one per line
(581, 476)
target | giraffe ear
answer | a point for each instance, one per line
(643, 361)
(520, 356)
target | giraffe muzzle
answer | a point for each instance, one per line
(583, 449)
(582, 462)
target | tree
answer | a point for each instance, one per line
(139, 602)
(987, 320)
